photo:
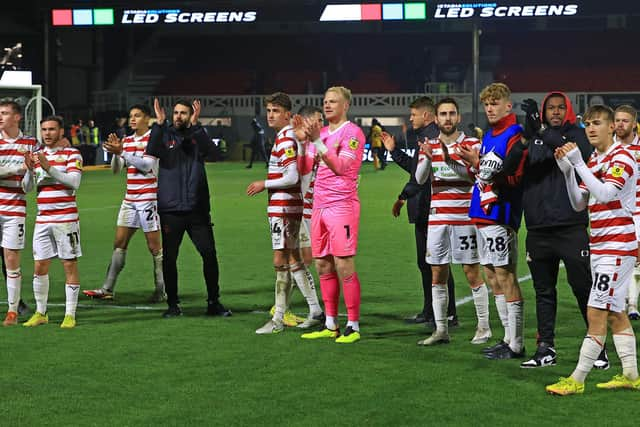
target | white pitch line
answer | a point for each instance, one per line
(459, 302)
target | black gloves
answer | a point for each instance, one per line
(532, 123)
(553, 138)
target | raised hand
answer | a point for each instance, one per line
(161, 116)
(469, 155)
(298, 127)
(113, 144)
(44, 163)
(312, 128)
(425, 149)
(29, 162)
(197, 109)
(388, 141)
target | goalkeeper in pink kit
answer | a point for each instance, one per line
(338, 149)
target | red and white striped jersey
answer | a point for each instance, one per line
(56, 201)
(284, 202)
(12, 198)
(141, 186)
(451, 194)
(634, 149)
(612, 230)
(308, 181)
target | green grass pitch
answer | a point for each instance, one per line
(124, 365)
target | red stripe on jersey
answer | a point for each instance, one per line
(17, 202)
(11, 190)
(274, 175)
(56, 199)
(285, 215)
(437, 184)
(53, 187)
(12, 213)
(599, 207)
(285, 202)
(141, 180)
(10, 152)
(613, 252)
(295, 190)
(628, 237)
(16, 178)
(142, 191)
(53, 212)
(611, 222)
(453, 210)
(451, 196)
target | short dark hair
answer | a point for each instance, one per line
(424, 102)
(185, 102)
(56, 119)
(13, 104)
(309, 110)
(142, 107)
(597, 111)
(447, 100)
(280, 99)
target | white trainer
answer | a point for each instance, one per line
(482, 336)
(271, 327)
(312, 320)
(437, 337)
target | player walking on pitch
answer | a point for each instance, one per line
(139, 208)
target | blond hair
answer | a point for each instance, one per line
(342, 91)
(629, 110)
(495, 92)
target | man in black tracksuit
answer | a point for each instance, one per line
(183, 199)
(555, 232)
(418, 199)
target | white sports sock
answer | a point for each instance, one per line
(355, 324)
(589, 352)
(625, 343)
(14, 284)
(440, 296)
(283, 286)
(481, 301)
(501, 306)
(301, 276)
(41, 292)
(71, 303)
(158, 277)
(515, 311)
(331, 323)
(115, 267)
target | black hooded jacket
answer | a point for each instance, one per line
(418, 196)
(545, 198)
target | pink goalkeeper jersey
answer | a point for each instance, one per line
(347, 144)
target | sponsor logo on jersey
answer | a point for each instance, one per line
(353, 143)
(617, 170)
(290, 152)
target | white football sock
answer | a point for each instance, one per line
(71, 303)
(331, 323)
(41, 292)
(589, 352)
(355, 324)
(481, 302)
(440, 296)
(501, 306)
(158, 277)
(515, 311)
(625, 343)
(14, 284)
(115, 267)
(301, 276)
(283, 286)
